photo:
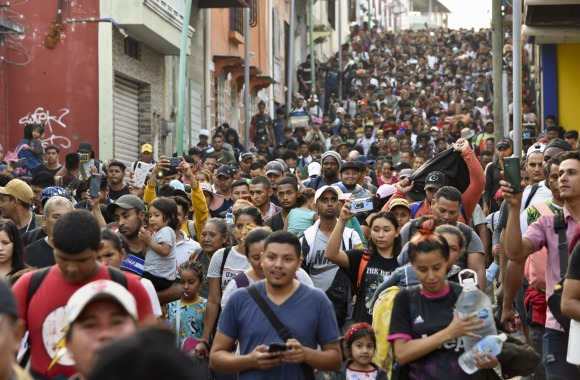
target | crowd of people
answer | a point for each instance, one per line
(272, 259)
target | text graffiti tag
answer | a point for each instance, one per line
(40, 115)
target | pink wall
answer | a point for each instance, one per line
(59, 86)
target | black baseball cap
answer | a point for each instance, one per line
(350, 165)
(225, 171)
(435, 179)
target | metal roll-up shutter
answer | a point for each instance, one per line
(126, 121)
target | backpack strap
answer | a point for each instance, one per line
(415, 207)
(532, 193)
(364, 260)
(281, 330)
(117, 276)
(224, 259)
(35, 282)
(560, 227)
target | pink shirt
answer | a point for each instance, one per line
(541, 233)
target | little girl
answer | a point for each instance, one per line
(360, 342)
(160, 262)
(190, 310)
(302, 216)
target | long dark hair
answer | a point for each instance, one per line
(18, 246)
(397, 246)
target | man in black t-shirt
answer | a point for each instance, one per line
(39, 254)
(115, 175)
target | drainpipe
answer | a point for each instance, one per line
(517, 68)
(207, 79)
(339, 3)
(311, 31)
(182, 70)
(270, 58)
(290, 70)
(247, 76)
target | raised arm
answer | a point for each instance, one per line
(333, 252)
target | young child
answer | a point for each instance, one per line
(191, 307)
(36, 144)
(160, 262)
(360, 344)
(303, 216)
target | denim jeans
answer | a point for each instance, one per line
(536, 337)
(555, 351)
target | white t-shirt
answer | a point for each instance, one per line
(148, 285)
(184, 249)
(235, 263)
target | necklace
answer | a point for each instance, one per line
(29, 221)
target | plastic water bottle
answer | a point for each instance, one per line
(473, 300)
(490, 344)
(230, 218)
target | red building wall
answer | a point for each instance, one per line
(59, 86)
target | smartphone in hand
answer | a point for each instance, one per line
(94, 185)
(511, 170)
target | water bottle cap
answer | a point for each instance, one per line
(503, 337)
(469, 283)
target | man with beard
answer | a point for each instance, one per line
(330, 165)
(129, 214)
(115, 174)
(288, 197)
(350, 173)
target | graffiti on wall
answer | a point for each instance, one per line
(54, 124)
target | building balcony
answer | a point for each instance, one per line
(157, 23)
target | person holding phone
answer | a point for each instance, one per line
(305, 311)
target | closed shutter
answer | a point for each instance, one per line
(126, 121)
(195, 116)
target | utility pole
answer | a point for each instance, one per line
(181, 78)
(497, 46)
(517, 72)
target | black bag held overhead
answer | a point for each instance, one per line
(450, 163)
(555, 300)
(282, 330)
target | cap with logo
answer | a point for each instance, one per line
(435, 179)
(225, 171)
(18, 189)
(246, 155)
(503, 144)
(351, 165)
(99, 290)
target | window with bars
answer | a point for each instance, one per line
(237, 20)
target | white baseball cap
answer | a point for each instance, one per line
(314, 168)
(204, 132)
(99, 290)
